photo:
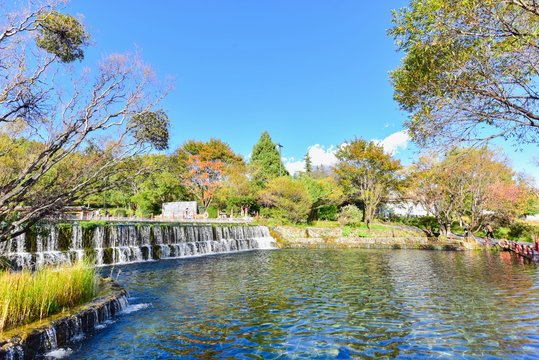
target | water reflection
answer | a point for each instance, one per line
(327, 304)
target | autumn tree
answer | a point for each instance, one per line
(286, 198)
(470, 70)
(265, 161)
(203, 178)
(432, 185)
(236, 192)
(473, 185)
(82, 124)
(205, 166)
(367, 173)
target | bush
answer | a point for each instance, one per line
(287, 198)
(521, 230)
(422, 222)
(275, 217)
(212, 212)
(350, 215)
(329, 213)
(346, 231)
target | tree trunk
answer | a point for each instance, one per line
(367, 213)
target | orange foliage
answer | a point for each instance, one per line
(203, 178)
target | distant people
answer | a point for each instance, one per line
(489, 232)
(466, 230)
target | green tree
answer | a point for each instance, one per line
(308, 164)
(265, 161)
(367, 174)
(322, 192)
(470, 70)
(288, 198)
(159, 183)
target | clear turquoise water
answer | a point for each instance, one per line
(326, 304)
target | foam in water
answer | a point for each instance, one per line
(58, 353)
(135, 307)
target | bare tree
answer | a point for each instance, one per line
(78, 125)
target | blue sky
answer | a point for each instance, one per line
(313, 73)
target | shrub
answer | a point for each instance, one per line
(418, 221)
(288, 198)
(329, 213)
(350, 215)
(521, 230)
(346, 231)
(212, 212)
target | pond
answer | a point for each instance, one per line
(325, 304)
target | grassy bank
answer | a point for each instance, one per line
(26, 297)
(333, 230)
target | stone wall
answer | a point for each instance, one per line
(35, 340)
(291, 237)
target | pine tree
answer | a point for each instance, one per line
(308, 164)
(265, 161)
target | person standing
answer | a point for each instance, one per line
(489, 232)
(466, 230)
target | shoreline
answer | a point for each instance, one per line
(60, 330)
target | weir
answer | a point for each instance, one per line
(112, 243)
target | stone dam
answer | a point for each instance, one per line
(113, 243)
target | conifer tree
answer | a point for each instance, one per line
(308, 164)
(265, 161)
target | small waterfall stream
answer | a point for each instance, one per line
(114, 243)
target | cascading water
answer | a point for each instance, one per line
(127, 243)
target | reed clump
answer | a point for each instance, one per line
(27, 296)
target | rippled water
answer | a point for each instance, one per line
(326, 304)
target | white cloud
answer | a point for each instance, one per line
(394, 142)
(294, 167)
(322, 156)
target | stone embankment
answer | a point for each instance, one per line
(324, 238)
(60, 331)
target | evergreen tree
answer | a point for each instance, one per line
(308, 164)
(265, 161)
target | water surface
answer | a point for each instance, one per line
(326, 304)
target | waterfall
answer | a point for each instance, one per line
(113, 243)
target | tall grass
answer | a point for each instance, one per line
(29, 296)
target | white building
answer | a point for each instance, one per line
(407, 208)
(179, 210)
